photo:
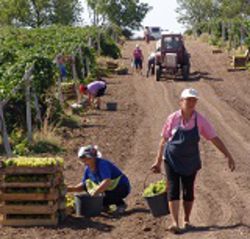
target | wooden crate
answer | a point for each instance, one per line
(52, 220)
(23, 208)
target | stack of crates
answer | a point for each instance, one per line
(31, 195)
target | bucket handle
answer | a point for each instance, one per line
(147, 176)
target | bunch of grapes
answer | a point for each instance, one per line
(33, 162)
(70, 201)
(26, 178)
(155, 189)
(91, 186)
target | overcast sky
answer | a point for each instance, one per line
(163, 14)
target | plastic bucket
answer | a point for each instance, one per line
(112, 106)
(87, 205)
(158, 204)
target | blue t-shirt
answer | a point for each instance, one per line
(63, 71)
(104, 170)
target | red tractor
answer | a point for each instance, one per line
(172, 57)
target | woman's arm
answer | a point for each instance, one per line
(220, 145)
(156, 167)
(77, 188)
(102, 187)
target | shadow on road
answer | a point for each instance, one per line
(81, 223)
(214, 228)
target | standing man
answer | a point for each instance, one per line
(147, 35)
(151, 64)
(179, 147)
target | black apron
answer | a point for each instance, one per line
(182, 151)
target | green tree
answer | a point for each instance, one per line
(37, 13)
(127, 14)
(194, 13)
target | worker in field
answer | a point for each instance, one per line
(106, 177)
(138, 59)
(61, 64)
(179, 148)
(95, 90)
(151, 64)
(147, 35)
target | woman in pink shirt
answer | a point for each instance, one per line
(179, 147)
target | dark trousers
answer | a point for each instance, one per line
(116, 196)
(151, 67)
(177, 182)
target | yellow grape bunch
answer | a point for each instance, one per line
(70, 201)
(154, 189)
(33, 162)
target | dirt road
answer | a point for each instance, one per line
(130, 137)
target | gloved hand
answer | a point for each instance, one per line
(92, 192)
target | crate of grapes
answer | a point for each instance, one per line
(156, 196)
(32, 190)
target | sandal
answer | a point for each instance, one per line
(173, 229)
(188, 226)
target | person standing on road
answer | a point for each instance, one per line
(151, 64)
(106, 177)
(138, 59)
(147, 35)
(179, 147)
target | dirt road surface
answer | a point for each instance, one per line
(130, 137)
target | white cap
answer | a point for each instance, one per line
(89, 151)
(137, 46)
(189, 93)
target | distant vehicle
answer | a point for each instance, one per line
(172, 56)
(155, 33)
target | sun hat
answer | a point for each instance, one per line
(189, 93)
(89, 151)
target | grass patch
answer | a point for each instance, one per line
(70, 121)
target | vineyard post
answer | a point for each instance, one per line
(90, 44)
(27, 76)
(87, 66)
(4, 132)
(60, 95)
(75, 78)
(99, 43)
(38, 112)
(82, 61)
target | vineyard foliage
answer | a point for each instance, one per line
(22, 48)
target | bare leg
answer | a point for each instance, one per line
(174, 210)
(98, 103)
(187, 205)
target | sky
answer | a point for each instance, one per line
(163, 14)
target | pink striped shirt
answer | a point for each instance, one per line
(172, 123)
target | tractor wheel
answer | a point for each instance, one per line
(185, 72)
(158, 73)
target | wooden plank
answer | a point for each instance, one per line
(28, 209)
(29, 196)
(26, 185)
(30, 170)
(29, 222)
